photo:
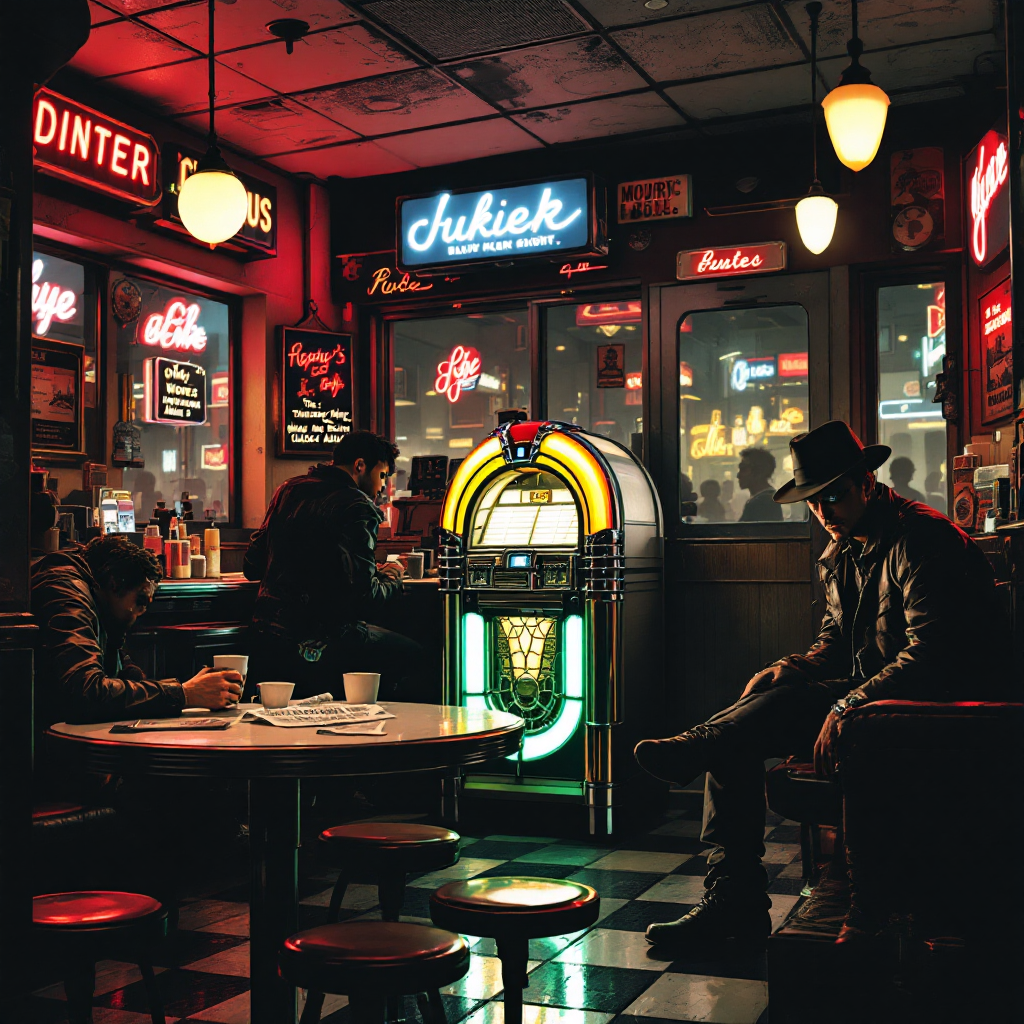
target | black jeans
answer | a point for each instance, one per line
(771, 721)
(362, 648)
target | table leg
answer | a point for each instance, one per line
(273, 898)
(451, 791)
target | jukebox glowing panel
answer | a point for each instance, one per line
(551, 565)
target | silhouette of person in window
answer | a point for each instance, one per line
(754, 476)
(901, 472)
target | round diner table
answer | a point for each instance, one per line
(421, 737)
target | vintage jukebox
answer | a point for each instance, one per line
(550, 554)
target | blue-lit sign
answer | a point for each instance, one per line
(752, 369)
(455, 228)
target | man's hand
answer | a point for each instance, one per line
(393, 569)
(769, 677)
(825, 747)
(213, 689)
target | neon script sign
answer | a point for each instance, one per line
(989, 209)
(50, 302)
(479, 227)
(460, 372)
(732, 261)
(317, 363)
(82, 145)
(753, 369)
(177, 327)
(382, 280)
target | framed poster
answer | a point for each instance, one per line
(317, 404)
(995, 321)
(611, 366)
(58, 385)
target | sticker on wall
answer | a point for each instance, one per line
(996, 328)
(916, 199)
(126, 302)
(611, 366)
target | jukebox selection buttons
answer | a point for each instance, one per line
(480, 575)
(555, 574)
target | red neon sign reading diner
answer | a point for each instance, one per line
(82, 145)
(177, 327)
(988, 165)
(731, 261)
(460, 372)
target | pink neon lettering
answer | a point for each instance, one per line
(317, 361)
(709, 264)
(49, 301)
(460, 373)
(987, 180)
(177, 328)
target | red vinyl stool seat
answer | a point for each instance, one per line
(370, 961)
(76, 929)
(512, 911)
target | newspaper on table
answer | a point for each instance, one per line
(334, 713)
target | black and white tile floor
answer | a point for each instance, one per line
(590, 977)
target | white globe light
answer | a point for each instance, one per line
(816, 221)
(212, 204)
(855, 115)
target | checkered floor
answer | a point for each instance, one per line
(589, 977)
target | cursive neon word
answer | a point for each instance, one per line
(49, 301)
(709, 264)
(581, 268)
(382, 279)
(176, 327)
(986, 182)
(460, 372)
(317, 361)
(333, 384)
(503, 221)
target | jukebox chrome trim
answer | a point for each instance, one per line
(451, 565)
(603, 565)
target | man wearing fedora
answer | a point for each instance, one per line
(904, 589)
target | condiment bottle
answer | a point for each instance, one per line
(211, 541)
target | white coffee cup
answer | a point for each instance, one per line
(361, 687)
(414, 565)
(233, 663)
(275, 695)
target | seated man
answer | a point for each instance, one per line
(911, 613)
(319, 581)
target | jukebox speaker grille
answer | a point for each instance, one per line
(526, 683)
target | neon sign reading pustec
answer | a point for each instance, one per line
(495, 224)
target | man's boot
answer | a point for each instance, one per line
(682, 758)
(723, 913)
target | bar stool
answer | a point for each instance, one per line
(512, 911)
(78, 928)
(386, 852)
(372, 961)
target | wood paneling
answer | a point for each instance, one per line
(718, 560)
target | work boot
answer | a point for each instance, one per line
(719, 916)
(680, 758)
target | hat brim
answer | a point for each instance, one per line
(871, 458)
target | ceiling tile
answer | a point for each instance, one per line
(711, 44)
(99, 14)
(241, 24)
(629, 12)
(745, 94)
(356, 160)
(555, 73)
(413, 99)
(182, 88)
(927, 64)
(272, 126)
(125, 46)
(135, 6)
(459, 142)
(600, 117)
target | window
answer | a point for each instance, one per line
(911, 344)
(594, 358)
(743, 393)
(452, 375)
(178, 352)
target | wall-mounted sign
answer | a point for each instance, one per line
(986, 171)
(383, 282)
(51, 300)
(750, 371)
(599, 314)
(58, 381)
(175, 392)
(936, 321)
(996, 323)
(581, 267)
(220, 391)
(611, 366)
(258, 232)
(458, 373)
(316, 391)
(466, 227)
(792, 364)
(790, 421)
(79, 144)
(177, 328)
(916, 198)
(214, 456)
(655, 199)
(731, 261)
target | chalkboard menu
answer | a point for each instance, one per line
(316, 391)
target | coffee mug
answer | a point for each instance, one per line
(361, 687)
(414, 565)
(275, 695)
(233, 663)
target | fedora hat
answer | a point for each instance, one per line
(823, 455)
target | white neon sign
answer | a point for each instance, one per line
(50, 302)
(177, 327)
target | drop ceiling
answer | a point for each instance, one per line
(381, 86)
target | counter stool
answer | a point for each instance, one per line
(512, 911)
(78, 928)
(370, 961)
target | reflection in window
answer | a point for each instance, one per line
(743, 393)
(452, 375)
(594, 361)
(911, 344)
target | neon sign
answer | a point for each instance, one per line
(50, 302)
(685, 375)
(177, 327)
(599, 313)
(460, 372)
(382, 279)
(989, 199)
(793, 364)
(753, 369)
(567, 269)
(708, 439)
(731, 261)
(79, 144)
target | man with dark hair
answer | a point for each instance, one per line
(901, 472)
(754, 476)
(903, 589)
(85, 602)
(319, 581)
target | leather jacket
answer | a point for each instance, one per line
(313, 557)
(915, 615)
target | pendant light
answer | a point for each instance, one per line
(855, 110)
(816, 212)
(212, 202)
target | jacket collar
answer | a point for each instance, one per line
(883, 516)
(340, 479)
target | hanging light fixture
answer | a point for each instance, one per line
(212, 202)
(816, 212)
(855, 110)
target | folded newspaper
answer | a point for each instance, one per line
(334, 713)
